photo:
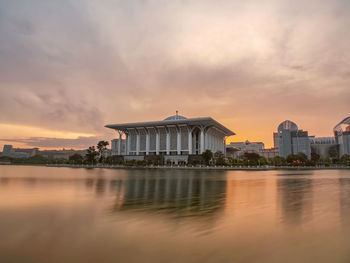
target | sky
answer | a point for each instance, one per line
(69, 67)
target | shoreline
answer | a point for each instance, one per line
(210, 168)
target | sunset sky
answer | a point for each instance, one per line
(68, 67)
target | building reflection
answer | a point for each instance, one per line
(344, 186)
(172, 192)
(294, 197)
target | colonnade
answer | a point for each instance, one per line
(211, 142)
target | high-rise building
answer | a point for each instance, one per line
(290, 140)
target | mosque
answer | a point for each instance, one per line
(174, 138)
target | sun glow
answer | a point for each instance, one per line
(12, 131)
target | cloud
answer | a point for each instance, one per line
(80, 142)
(78, 65)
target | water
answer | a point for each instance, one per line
(99, 215)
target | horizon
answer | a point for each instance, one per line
(32, 143)
(250, 65)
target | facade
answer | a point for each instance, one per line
(290, 140)
(325, 147)
(239, 148)
(342, 136)
(114, 146)
(175, 138)
(269, 153)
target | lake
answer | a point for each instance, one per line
(50, 214)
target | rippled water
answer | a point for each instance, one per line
(104, 215)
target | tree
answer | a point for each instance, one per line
(101, 147)
(219, 158)
(207, 156)
(315, 158)
(91, 155)
(297, 159)
(251, 158)
(345, 159)
(76, 159)
(262, 161)
(333, 152)
(278, 161)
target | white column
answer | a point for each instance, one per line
(225, 146)
(128, 144)
(137, 144)
(168, 142)
(189, 141)
(147, 142)
(202, 141)
(120, 143)
(209, 141)
(179, 141)
(157, 142)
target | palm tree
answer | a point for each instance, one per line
(91, 155)
(101, 147)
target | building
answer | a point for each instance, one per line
(60, 154)
(290, 140)
(325, 147)
(9, 151)
(269, 153)
(342, 136)
(114, 146)
(174, 138)
(239, 148)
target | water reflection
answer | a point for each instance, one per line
(190, 194)
(294, 196)
(344, 202)
(58, 215)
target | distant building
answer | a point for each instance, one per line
(290, 140)
(342, 136)
(60, 154)
(269, 153)
(9, 151)
(237, 149)
(325, 147)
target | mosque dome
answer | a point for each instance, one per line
(175, 117)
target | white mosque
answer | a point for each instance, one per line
(174, 138)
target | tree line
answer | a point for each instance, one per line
(98, 154)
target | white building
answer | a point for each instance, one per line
(290, 140)
(175, 138)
